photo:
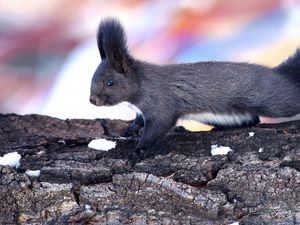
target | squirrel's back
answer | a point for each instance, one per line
(223, 88)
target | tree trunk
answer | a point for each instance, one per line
(258, 182)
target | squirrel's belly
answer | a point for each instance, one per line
(220, 119)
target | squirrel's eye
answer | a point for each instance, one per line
(109, 82)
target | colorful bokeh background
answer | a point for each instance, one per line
(48, 49)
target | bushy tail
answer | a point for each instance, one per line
(291, 68)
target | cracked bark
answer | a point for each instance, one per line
(184, 184)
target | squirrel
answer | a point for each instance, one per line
(222, 94)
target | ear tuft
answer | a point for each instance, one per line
(100, 45)
(112, 44)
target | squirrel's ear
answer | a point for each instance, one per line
(120, 61)
(112, 45)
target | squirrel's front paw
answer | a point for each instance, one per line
(133, 130)
(136, 156)
(133, 158)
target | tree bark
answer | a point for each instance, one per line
(181, 183)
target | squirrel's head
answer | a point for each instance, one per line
(115, 79)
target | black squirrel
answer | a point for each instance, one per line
(223, 94)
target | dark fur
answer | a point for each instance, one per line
(164, 93)
(291, 68)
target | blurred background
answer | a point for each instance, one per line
(48, 50)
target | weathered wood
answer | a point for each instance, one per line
(184, 184)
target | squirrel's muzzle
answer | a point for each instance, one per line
(99, 101)
(93, 101)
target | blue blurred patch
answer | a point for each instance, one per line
(261, 31)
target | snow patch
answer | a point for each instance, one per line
(260, 150)
(33, 173)
(11, 159)
(87, 207)
(102, 144)
(251, 134)
(220, 150)
(235, 223)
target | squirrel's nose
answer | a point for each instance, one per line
(93, 101)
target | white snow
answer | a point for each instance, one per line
(235, 223)
(33, 173)
(102, 144)
(87, 207)
(11, 159)
(220, 150)
(260, 150)
(251, 134)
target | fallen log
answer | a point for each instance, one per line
(257, 182)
